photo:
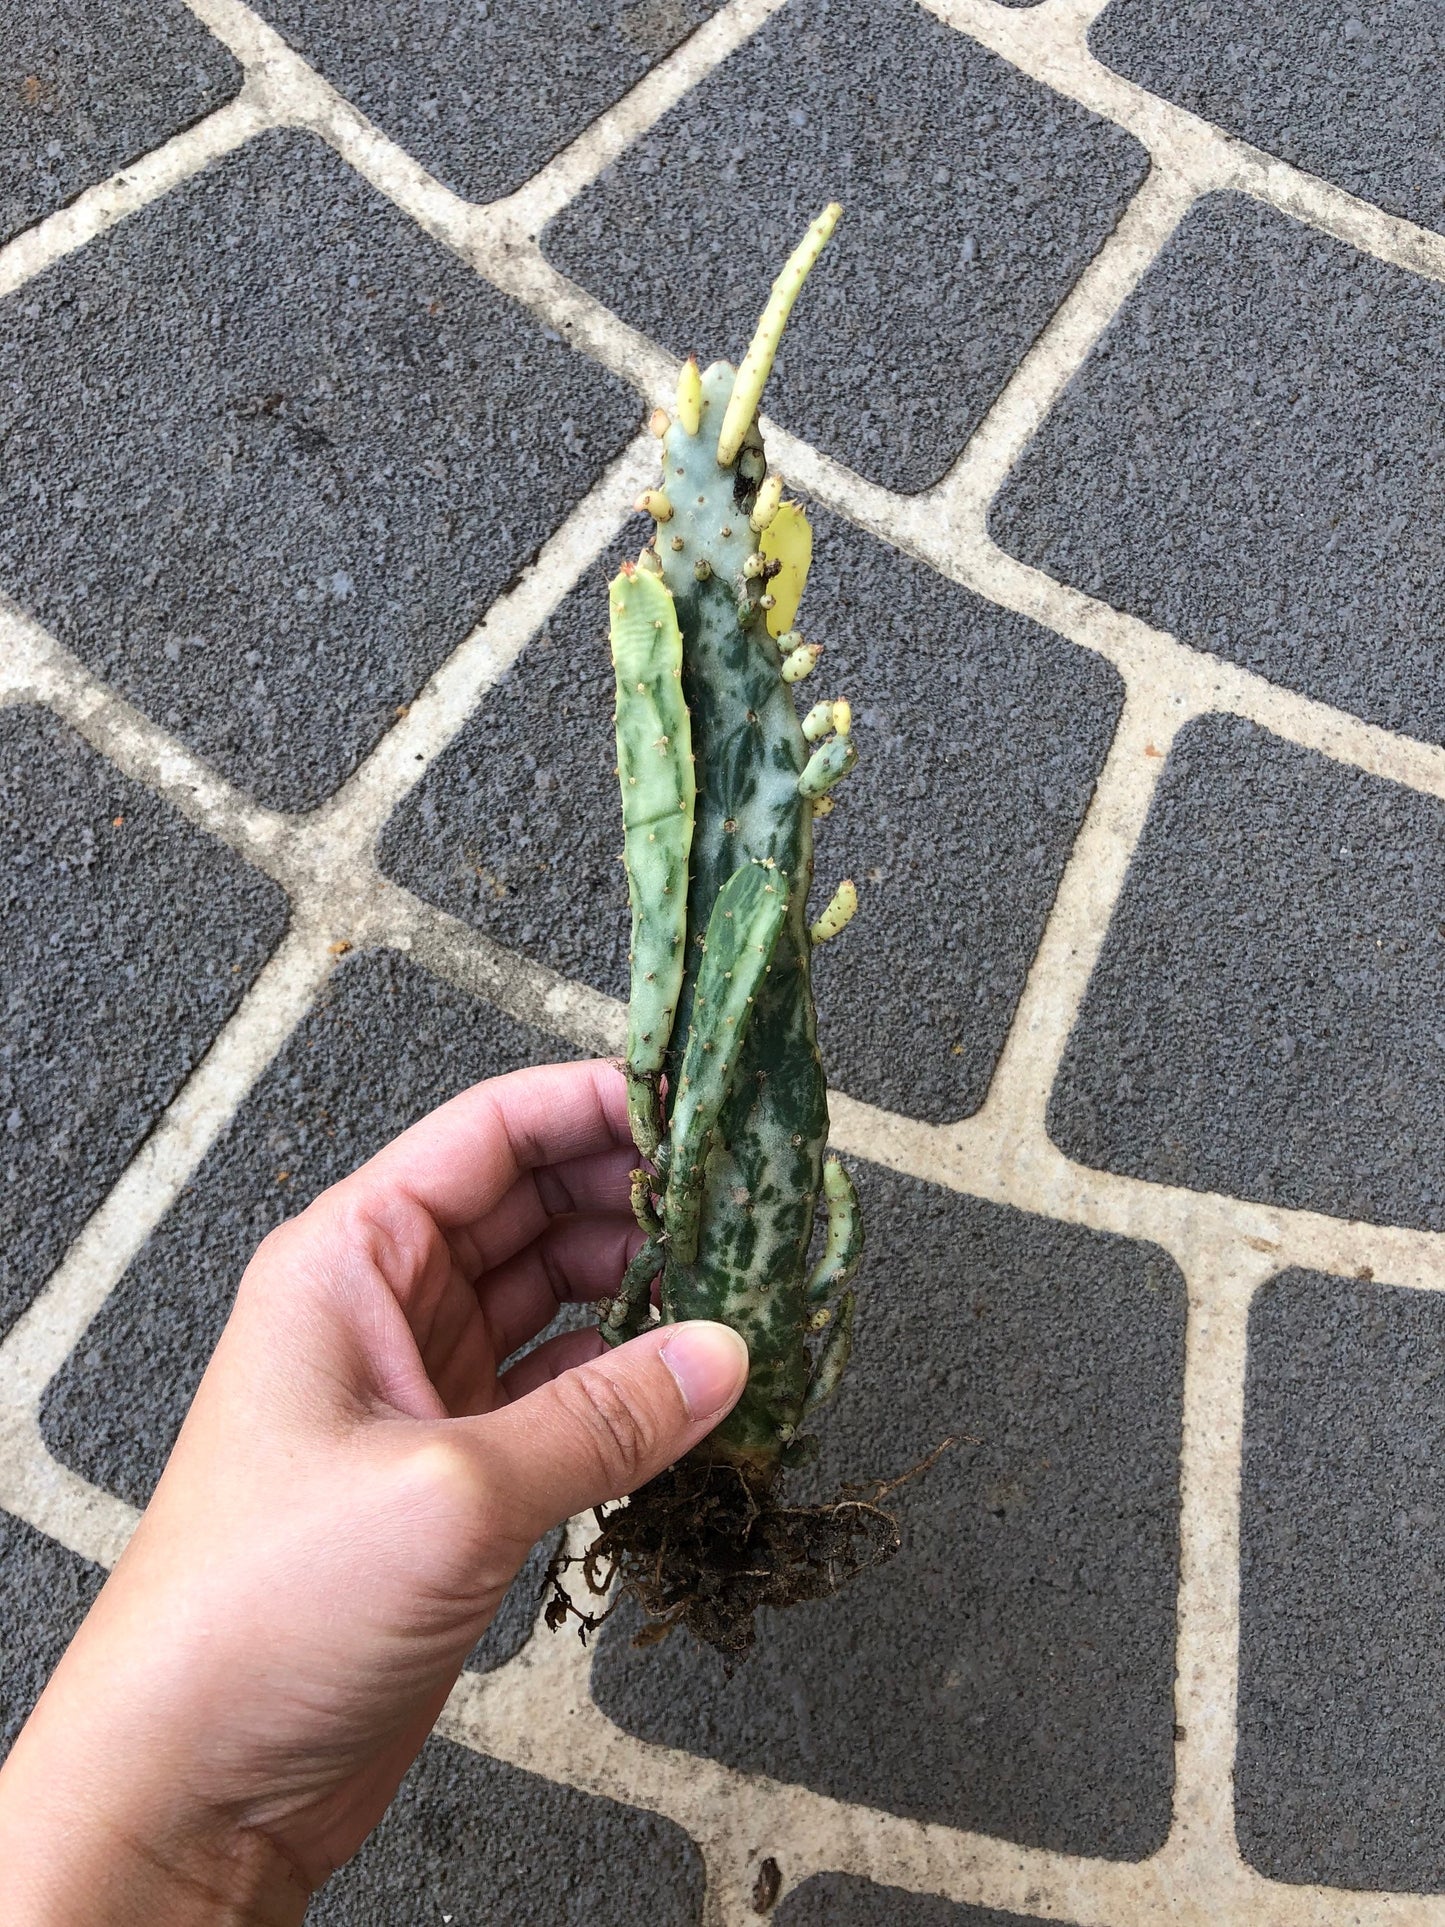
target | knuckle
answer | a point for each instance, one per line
(621, 1434)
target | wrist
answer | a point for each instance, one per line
(70, 1868)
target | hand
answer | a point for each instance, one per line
(355, 1487)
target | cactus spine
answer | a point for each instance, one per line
(721, 783)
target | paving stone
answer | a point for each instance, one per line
(974, 198)
(1012, 1669)
(1341, 1753)
(385, 1044)
(1249, 459)
(1264, 1019)
(88, 85)
(981, 736)
(45, 1592)
(841, 1900)
(113, 989)
(1353, 93)
(272, 451)
(467, 1833)
(484, 96)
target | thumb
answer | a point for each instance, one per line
(607, 1426)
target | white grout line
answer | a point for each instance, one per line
(50, 1497)
(1079, 919)
(578, 165)
(136, 185)
(1049, 44)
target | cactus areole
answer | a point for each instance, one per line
(722, 781)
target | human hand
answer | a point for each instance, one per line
(354, 1489)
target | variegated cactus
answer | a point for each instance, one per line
(722, 783)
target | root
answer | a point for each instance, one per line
(707, 1543)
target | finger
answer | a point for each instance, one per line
(607, 1425)
(462, 1159)
(558, 1355)
(599, 1183)
(575, 1261)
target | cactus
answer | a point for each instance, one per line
(721, 785)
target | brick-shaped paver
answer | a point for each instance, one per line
(270, 452)
(1250, 460)
(1012, 1669)
(111, 988)
(1341, 1754)
(842, 1900)
(1264, 1018)
(89, 85)
(973, 199)
(471, 1839)
(483, 97)
(980, 736)
(1356, 94)
(45, 1592)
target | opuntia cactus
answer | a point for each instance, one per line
(721, 785)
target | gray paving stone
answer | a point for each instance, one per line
(1353, 93)
(981, 735)
(484, 95)
(1264, 1018)
(385, 1044)
(45, 1592)
(113, 988)
(1341, 1753)
(1249, 459)
(271, 452)
(841, 1900)
(974, 198)
(1012, 1669)
(88, 85)
(471, 1839)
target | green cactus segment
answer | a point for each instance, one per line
(742, 934)
(624, 1316)
(744, 1116)
(833, 1358)
(843, 1250)
(655, 771)
(828, 766)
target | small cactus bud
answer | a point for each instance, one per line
(817, 722)
(839, 913)
(766, 506)
(689, 396)
(659, 421)
(654, 502)
(801, 662)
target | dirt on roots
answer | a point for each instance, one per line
(707, 1543)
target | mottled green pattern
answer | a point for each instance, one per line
(654, 768)
(745, 1111)
(742, 934)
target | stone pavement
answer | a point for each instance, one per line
(326, 338)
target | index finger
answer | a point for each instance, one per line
(460, 1160)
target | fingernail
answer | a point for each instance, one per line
(710, 1364)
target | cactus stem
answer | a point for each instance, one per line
(842, 907)
(757, 363)
(648, 563)
(766, 506)
(689, 396)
